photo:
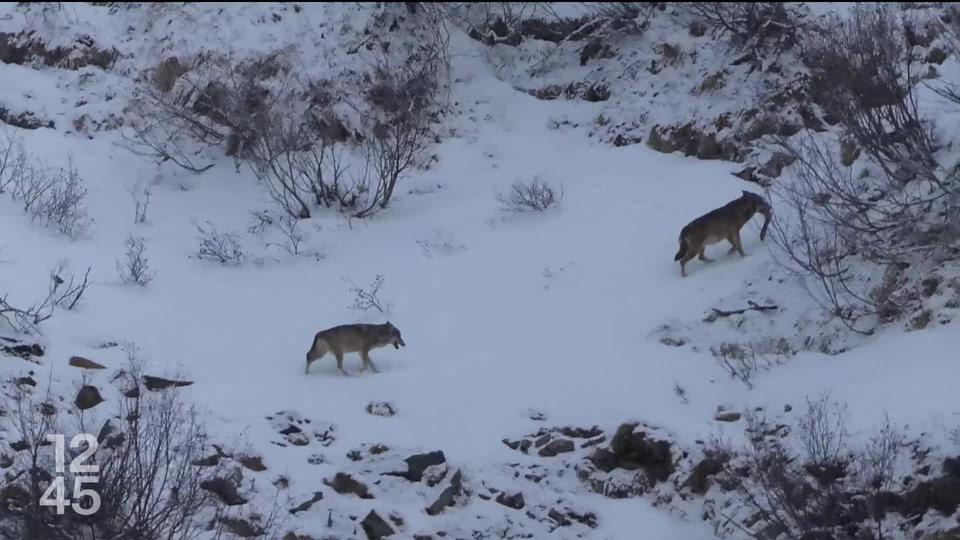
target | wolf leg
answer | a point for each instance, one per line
(737, 244)
(339, 355)
(367, 362)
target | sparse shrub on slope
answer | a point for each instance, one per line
(846, 224)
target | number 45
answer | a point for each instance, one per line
(60, 502)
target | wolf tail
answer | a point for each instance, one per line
(683, 250)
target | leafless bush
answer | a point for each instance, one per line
(823, 432)
(223, 248)
(141, 201)
(294, 236)
(863, 72)
(369, 298)
(536, 196)
(842, 223)
(149, 481)
(135, 269)
(161, 139)
(149, 484)
(64, 292)
(743, 361)
(53, 197)
(404, 103)
(811, 483)
(300, 170)
(13, 159)
(751, 25)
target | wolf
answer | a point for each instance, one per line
(359, 338)
(722, 223)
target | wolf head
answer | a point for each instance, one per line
(394, 336)
(756, 203)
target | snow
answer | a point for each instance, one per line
(553, 311)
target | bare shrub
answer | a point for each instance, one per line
(823, 432)
(294, 236)
(149, 482)
(13, 159)
(744, 360)
(404, 103)
(162, 140)
(366, 299)
(864, 73)
(141, 201)
(810, 482)
(223, 248)
(751, 25)
(135, 269)
(64, 291)
(536, 196)
(300, 170)
(53, 197)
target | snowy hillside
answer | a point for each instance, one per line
(531, 337)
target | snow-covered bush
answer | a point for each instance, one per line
(64, 291)
(533, 196)
(135, 268)
(223, 248)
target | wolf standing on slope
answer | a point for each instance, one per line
(723, 223)
(359, 338)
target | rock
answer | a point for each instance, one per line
(903, 175)
(210, 461)
(167, 72)
(727, 416)
(633, 450)
(19, 446)
(448, 497)
(84, 363)
(344, 484)
(253, 463)
(17, 348)
(542, 440)
(375, 527)
(746, 174)
(132, 393)
(5, 461)
(557, 446)
(581, 433)
(225, 490)
(88, 397)
(565, 518)
(929, 286)
(418, 463)
(15, 496)
(699, 479)
(936, 56)
(306, 505)
(242, 528)
(48, 409)
(849, 152)
(775, 165)
(514, 501)
(158, 383)
(435, 474)
(381, 408)
(536, 415)
(26, 381)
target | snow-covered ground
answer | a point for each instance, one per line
(554, 312)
